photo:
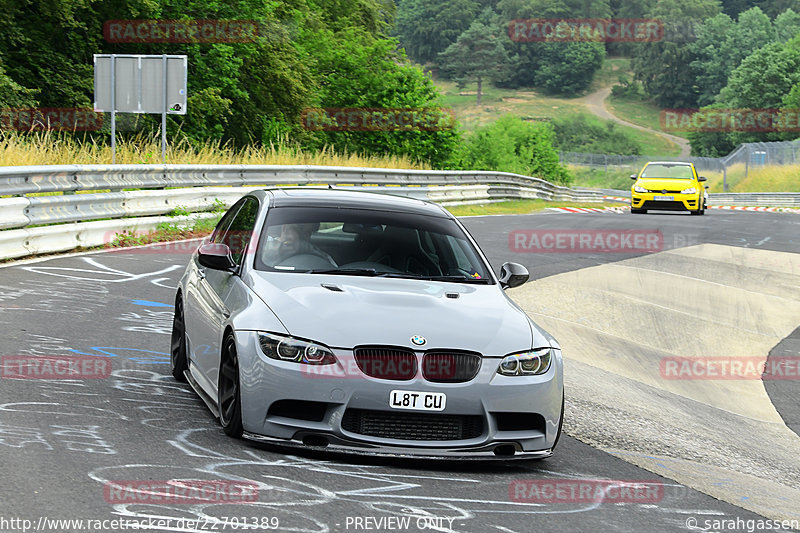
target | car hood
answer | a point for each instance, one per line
(665, 183)
(390, 311)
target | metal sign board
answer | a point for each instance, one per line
(128, 83)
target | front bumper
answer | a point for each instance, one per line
(507, 417)
(679, 202)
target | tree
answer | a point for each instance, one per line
(12, 94)
(765, 80)
(787, 25)
(664, 67)
(511, 144)
(775, 7)
(477, 54)
(568, 68)
(722, 45)
(357, 71)
(427, 27)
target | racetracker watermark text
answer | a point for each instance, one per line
(50, 118)
(585, 241)
(54, 367)
(377, 119)
(180, 491)
(181, 31)
(585, 491)
(730, 120)
(587, 29)
(728, 368)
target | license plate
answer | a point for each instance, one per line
(424, 401)
(667, 198)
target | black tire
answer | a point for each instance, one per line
(177, 350)
(699, 211)
(560, 425)
(638, 211)
(229, 400)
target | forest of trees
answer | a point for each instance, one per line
(377, 54)
(736, 54)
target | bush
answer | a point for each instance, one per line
(513, 145)
(576, 133)
(627, 89)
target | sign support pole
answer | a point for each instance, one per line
(164, 110)
(113, 111)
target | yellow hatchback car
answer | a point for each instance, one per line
(668, 185)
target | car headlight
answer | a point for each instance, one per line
(690, 190)
(285, 348)
(530, 363)
(639, 188)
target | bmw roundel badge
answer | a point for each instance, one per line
(418, 340)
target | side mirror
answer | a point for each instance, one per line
(215, 256)
(513, 275)
(702, 178)
(634, 176)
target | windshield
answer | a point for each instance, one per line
(367, 243)
(660, 170)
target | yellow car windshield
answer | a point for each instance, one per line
(668, 171)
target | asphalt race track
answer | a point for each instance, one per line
(728, 279)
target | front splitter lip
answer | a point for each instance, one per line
(342, 446)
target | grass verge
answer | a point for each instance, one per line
(165, 232)
(517, 207)
(639, 111)
(48, 148)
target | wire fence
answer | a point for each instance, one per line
(744, 158)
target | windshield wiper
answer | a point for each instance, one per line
(347, 271)
(457, 278)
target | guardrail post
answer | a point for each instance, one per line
(724, 178)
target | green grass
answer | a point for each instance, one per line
(526, 103)
(166, 232)
(652, 144)
(532, 104)
(639, 111)
(610, 71)
(516, 207)
(763, 179)
(599, 178)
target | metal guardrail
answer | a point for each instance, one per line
(225, 183)
(18, 181)
(47, 224)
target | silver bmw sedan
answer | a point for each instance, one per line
(365, 323)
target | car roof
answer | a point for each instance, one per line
(686, 163)
(318, 197)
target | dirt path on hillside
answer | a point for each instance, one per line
(596, 103)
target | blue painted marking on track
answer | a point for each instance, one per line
(148, 303)
(143, 357)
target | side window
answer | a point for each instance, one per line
(225, 222)
(239, 233)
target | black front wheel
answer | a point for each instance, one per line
(178, 343)
(229, 398)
